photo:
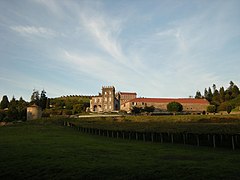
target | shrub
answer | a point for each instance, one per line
(211, 109)
(229, 108)
(136, 110)
(174, 107)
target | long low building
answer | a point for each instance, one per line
(189, 104)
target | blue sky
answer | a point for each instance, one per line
(157, 48)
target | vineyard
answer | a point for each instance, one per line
(212, 131)
(225, 124)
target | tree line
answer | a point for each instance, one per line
(221, 99)
(17, 109)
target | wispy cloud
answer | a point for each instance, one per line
(156, 48)
(94, 66)
(35, 31)
(105, 32)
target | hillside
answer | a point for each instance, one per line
(68, 105)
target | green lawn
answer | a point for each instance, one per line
(38, 150)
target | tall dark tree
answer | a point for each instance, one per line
(214, 87)
(35, 97)
(43, 100)
(22, 109)
(12, 110)
(222, 94)
(231, 85)
(209, 95)
(228, 95)
(205, 93)
(235, 91)
(198, 95)
(4, 103)
(216, 98)
(230, 89)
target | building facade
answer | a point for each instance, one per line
(109, 101)
(160, 104)
(126, 96)
(105, 101)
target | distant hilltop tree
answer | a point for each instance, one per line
(39, 99)
(198, 95)
(5, 102)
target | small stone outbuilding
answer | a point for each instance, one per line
(34, 112)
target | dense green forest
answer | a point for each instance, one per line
(222, 99)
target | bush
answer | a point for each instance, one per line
(149, 109)
(229, 108)
(67, 112)
(211, 109)
(3, 114)
(136, 110)
(174, 107)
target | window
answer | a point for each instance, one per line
(110, 99)
(110, 107)
(110, 92)
(105, 99)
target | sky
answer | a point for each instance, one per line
(157, 48)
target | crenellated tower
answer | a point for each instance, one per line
(108, 98)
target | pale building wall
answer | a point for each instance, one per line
(125, 97)
(108, 95)
(189, 107)
(34, 112)
(106, 102)
(96, 104)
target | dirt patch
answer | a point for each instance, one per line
(5, 123)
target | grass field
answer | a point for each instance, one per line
(46, 150)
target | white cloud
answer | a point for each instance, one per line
(35, 31)
(105, 32)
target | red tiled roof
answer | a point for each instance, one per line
(128, 93)
(168, 100)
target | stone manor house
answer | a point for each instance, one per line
(110, 101)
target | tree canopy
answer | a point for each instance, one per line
(4, 103)
(222, 97)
